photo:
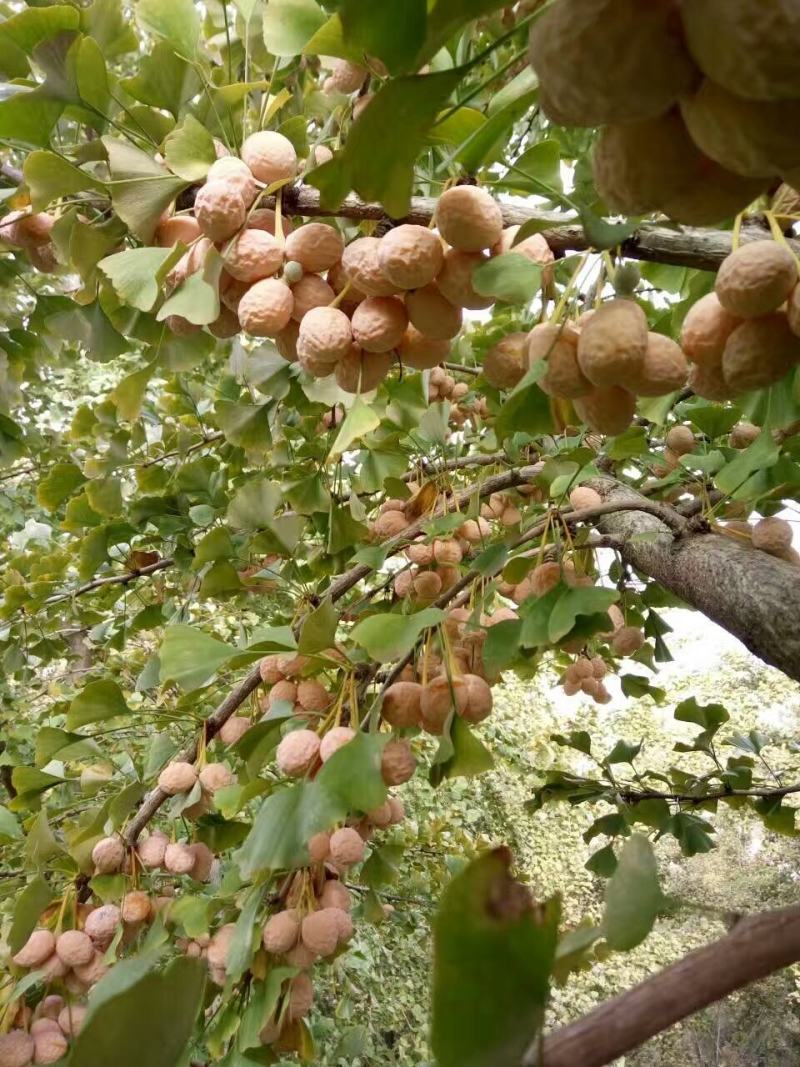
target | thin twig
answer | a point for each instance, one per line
(635, 796)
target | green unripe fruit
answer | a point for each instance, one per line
(292, 272)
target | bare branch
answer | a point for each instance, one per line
(757, 946)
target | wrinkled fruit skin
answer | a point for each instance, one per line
(663, 370)
(756, 279)
(706, 329)
(749, 49)
(504, 364)
(602, 61)
(297, 753)
(759, 353)
(401, 704)
(613, 343)
(270, 156)
(397, 763)
(347, 847)
(38, 948)
(558, 345)
(749, 137)
(281, 932)
(468, 218)
(16, 1049)
(608, 411)
(265, 309)
(410, 256)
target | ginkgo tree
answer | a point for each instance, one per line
(439, 341)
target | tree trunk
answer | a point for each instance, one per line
(752, 595)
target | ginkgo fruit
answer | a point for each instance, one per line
(772, 535)
(309, 292)
(281, 932)
(335, 739)
(102, 924)
(265, 309)
(108, 855)
(504, 363)
(361, 265)
(410, 256)
(602, 61)
(706, 329)
(320, 932)
(397, 760)
(379, 323)
(557, 343)
(220, 210)
(468, 218)
(750, 49)
(663, 370)
(432, 314)
(74, 947)
(756, 279)
(347, 847)
(316, 246)
(270, 156)
(613, 343)
(608, 411)
(401, 704)
(455, 280)
(759, 353)
(421, 352)
(150, 850)
(38, 948)
(297, 753)
(359, 371)
(253, 255)
(750, 137)
(177, 777)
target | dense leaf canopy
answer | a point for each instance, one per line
(353, 355)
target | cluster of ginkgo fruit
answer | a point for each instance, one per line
(699, 101)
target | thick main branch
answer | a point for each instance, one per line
(682, 246)
(752, 595)
(757, 946)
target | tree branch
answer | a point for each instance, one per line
(214, 723)
(432, 467)
(635, 796)
(114, 579)
(212, 726)
(681, 246)
(495, 484)
(757, 946)
(752, 595)
(14, 174)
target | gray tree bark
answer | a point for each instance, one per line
(752, 595)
